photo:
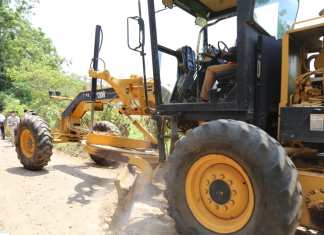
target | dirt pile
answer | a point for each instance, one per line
(145, 211)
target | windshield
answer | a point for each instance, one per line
(276, 16)
(229, 26)
(173, 34)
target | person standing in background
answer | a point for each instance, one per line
(2, 125)
(12, 122)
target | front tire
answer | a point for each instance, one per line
(34, 143)
(228, 177)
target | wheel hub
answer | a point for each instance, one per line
(27, 143)
(219, 194)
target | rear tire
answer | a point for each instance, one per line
(107, 127)
(34, 143)
(276, 194)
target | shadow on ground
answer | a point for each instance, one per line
(24, 172)
(88, 187)
(109, 167)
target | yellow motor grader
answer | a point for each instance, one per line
(247, 161)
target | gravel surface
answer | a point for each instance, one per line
(68, 197)
(74, 196)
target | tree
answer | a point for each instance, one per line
(29, 64)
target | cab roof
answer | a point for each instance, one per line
(209, 9)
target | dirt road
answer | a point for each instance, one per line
(65, 198)
(73, 196)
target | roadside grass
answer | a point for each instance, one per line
(72, 149)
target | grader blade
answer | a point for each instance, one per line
(132, 181)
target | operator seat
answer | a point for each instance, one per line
(188, 59)
(183, 90)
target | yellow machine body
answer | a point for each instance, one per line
(297, 90)
(302, 85)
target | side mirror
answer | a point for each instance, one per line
(168, 3)
(135, 25)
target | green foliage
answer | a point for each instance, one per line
(124, 123)
(19, 41)
(30, 65)
(11, 103)
(73, 149)
(31, 83)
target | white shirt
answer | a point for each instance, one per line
(2, 117)
(13, 121)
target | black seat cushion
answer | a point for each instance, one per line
(188, 59)
(186, 72)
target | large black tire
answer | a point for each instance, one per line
(42, 141)
(277, 192)
(105, 126)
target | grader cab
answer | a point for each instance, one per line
(245, 156)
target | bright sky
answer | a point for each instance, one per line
(71, 24)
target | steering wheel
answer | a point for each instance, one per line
(212, 53)
(223, 50)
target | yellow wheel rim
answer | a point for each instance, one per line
(27, 143)
(220, 194)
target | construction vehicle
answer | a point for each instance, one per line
(247, 162)
(71, 129)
